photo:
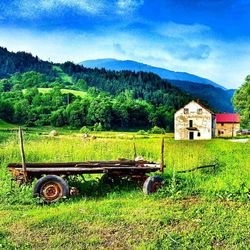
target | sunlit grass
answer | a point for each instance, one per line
(63, 91)
(205, 209)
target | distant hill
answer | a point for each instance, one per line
(216, 95)
(143, 85)
(124, 99)
(11, 62)
(218, 98)
(113, 64)
(146, 86)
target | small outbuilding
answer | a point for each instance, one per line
(194, 122)
(227, 125)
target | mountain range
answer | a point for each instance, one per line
(215, 94)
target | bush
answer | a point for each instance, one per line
(142, 132)
(157, 130)
(98, 127)
(84, 130)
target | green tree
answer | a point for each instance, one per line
(5, 85)
(30, 93)
(76, 113)
(28, 79)
(241, 101)
(58, 118)
(100, 110)
(6, 110)
(81, 85)
(21, 111)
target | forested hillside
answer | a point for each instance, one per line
(11, 62)
(220, 99)
(114, 99)
(197, 86)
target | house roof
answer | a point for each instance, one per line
(227, 118)
(197, 102)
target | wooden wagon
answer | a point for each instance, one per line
(52, 185)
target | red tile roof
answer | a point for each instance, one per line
(227, 118)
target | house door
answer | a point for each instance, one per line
(191, 135)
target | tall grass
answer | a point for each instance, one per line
(204, 210)
(230, 180)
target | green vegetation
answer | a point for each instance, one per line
(205, 209)
(6, 125)
(116, 100)
(59, 107)
(241, 101)
(63, 91)
(65, 77)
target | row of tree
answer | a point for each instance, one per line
(33, 108)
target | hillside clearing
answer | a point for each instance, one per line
(65, 77)
(63, 91)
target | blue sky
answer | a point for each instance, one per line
(207, 38)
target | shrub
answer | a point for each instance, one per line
(157, 130)
(142, 132)
(84, 130)
(98, 127)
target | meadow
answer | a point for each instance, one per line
(204, 209)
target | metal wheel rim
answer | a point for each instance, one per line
(51, 191)
(155, 186)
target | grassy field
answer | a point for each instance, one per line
(6, 125)
(64, 91)
(199, 210)
(65, 77)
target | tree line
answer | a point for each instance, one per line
(31, 107)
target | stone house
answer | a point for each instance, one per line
(194, 122)
(227, 125)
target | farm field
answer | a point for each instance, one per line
(204, 209)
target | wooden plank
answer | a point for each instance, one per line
(85, 164)
(85, 169)
(62, 169)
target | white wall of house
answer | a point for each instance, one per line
(194, 122)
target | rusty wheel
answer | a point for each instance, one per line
(152, 184)
(51, 191)
(51, 188)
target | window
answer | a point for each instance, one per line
(186, 111)
(220, 132)
(222, 124)
(199, 134)
(199, 111)
(190, 123)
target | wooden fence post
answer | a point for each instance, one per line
(22, 154)
(162, 156)
(135, 154)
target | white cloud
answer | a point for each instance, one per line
(177, 30)
(128, 6)
(32, 9)
(35, 8)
